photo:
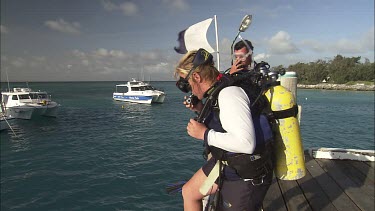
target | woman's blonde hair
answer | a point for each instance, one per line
(207, 71)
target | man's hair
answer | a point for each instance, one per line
(241, 44)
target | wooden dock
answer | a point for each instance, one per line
(328, 185)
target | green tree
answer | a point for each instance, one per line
(340, 70)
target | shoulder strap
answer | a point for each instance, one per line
(212, 95)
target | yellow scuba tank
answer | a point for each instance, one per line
(288, 149)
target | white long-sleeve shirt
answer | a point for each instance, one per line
(236, 120)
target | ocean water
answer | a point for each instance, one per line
(99, 154)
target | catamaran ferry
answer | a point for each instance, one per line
(138, 92)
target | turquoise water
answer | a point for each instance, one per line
(99, 154)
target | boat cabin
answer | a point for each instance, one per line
(21, 96)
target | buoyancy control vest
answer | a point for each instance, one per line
(247, 166)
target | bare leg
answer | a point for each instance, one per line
(190, 192)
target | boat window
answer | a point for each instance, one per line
(43, 96)
(22, 97)
(121, 89)
(33, 96)
(135, 88)
(150, 88)
(14, 97)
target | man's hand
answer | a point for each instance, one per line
(198, 107)
(237, 66)
(196, 129)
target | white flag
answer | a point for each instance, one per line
(194, 37)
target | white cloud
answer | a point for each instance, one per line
(3, 29)
(180, 5)
(261, 57)
(118, 54)
(346, 46)
(314, 45)
(281, 43)
(4, 58)
(271, 12)
(101, 52)
(127, 8)
(367, 40)
(40, 58)
(79, 53)
(364, 43)
(18, 62)
(158, 67)
(85, 62)
(62, 26)
(108, 5)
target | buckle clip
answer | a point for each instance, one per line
(253, 181)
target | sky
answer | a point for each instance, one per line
(116, 40)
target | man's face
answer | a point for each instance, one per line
(243, 55)
(195, 86)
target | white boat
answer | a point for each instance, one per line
(138, 92)
(23, 103)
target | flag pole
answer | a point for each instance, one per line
(217, 45)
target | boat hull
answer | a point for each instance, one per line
(20, 112)
(49, 109)
(139, 99)
(158, 98)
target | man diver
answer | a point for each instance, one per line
(233, 132)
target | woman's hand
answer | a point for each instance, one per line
(196, 129)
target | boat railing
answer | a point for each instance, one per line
(44, 100)
(17, 89)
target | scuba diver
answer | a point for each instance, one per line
(236, 136)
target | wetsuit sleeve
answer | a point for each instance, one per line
(236, 120)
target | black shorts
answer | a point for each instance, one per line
(239, 194)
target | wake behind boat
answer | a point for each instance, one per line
(23, 103)
(138, 92)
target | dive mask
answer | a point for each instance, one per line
(201, 57)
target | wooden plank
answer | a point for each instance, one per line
(314, 194)
(274, 199)
(365, 169)
(372, 164)
(359, 178)
(293, 195)
(350, 188)
(334, 192)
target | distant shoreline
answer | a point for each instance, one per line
(356, 87)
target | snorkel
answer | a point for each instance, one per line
(245, 23)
